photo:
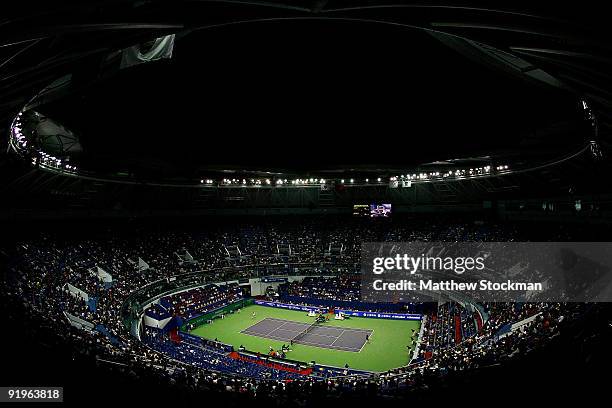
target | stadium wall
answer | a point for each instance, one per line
(352, 305)
(203, 318)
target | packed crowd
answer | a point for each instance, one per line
(209, 358)
(45, 268)
(194, 301)
(491, 344)
(343, 288)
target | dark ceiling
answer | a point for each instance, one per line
(317, 84)
(322, 94)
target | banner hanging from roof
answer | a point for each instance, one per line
(138, 54)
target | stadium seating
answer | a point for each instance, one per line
(455, 336)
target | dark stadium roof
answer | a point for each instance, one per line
(310, 84)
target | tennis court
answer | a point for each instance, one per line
(389, 347)
(337, 338)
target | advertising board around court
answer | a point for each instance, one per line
(203, 318)
(353, 313)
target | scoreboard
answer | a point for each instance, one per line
(372, 210)
(361, 210)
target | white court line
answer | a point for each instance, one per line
(320, 335)
(365, 342)
(353, 329)
(272, 331)
(276, 328)
(306, 343)
(319, 345)
(305, 325)
(331, 346)
(267, 337)
(337, 339)
(277, 319)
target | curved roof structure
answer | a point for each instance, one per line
(551, 60)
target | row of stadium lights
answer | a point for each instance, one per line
(476, 171)
(46, 160)
(53, 163)
(20, 143)
(267, 181)
(459, 173)
(278, 182)
(18, 135)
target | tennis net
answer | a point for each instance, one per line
(304, 332)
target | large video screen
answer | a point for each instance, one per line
(380, 210)
(372, 210)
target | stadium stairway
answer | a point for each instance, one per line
(92, 304)
(174, 335)
(326, 198)
(457, 329)
(479, 322)
(101, 329)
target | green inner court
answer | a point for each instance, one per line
(388, 348)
